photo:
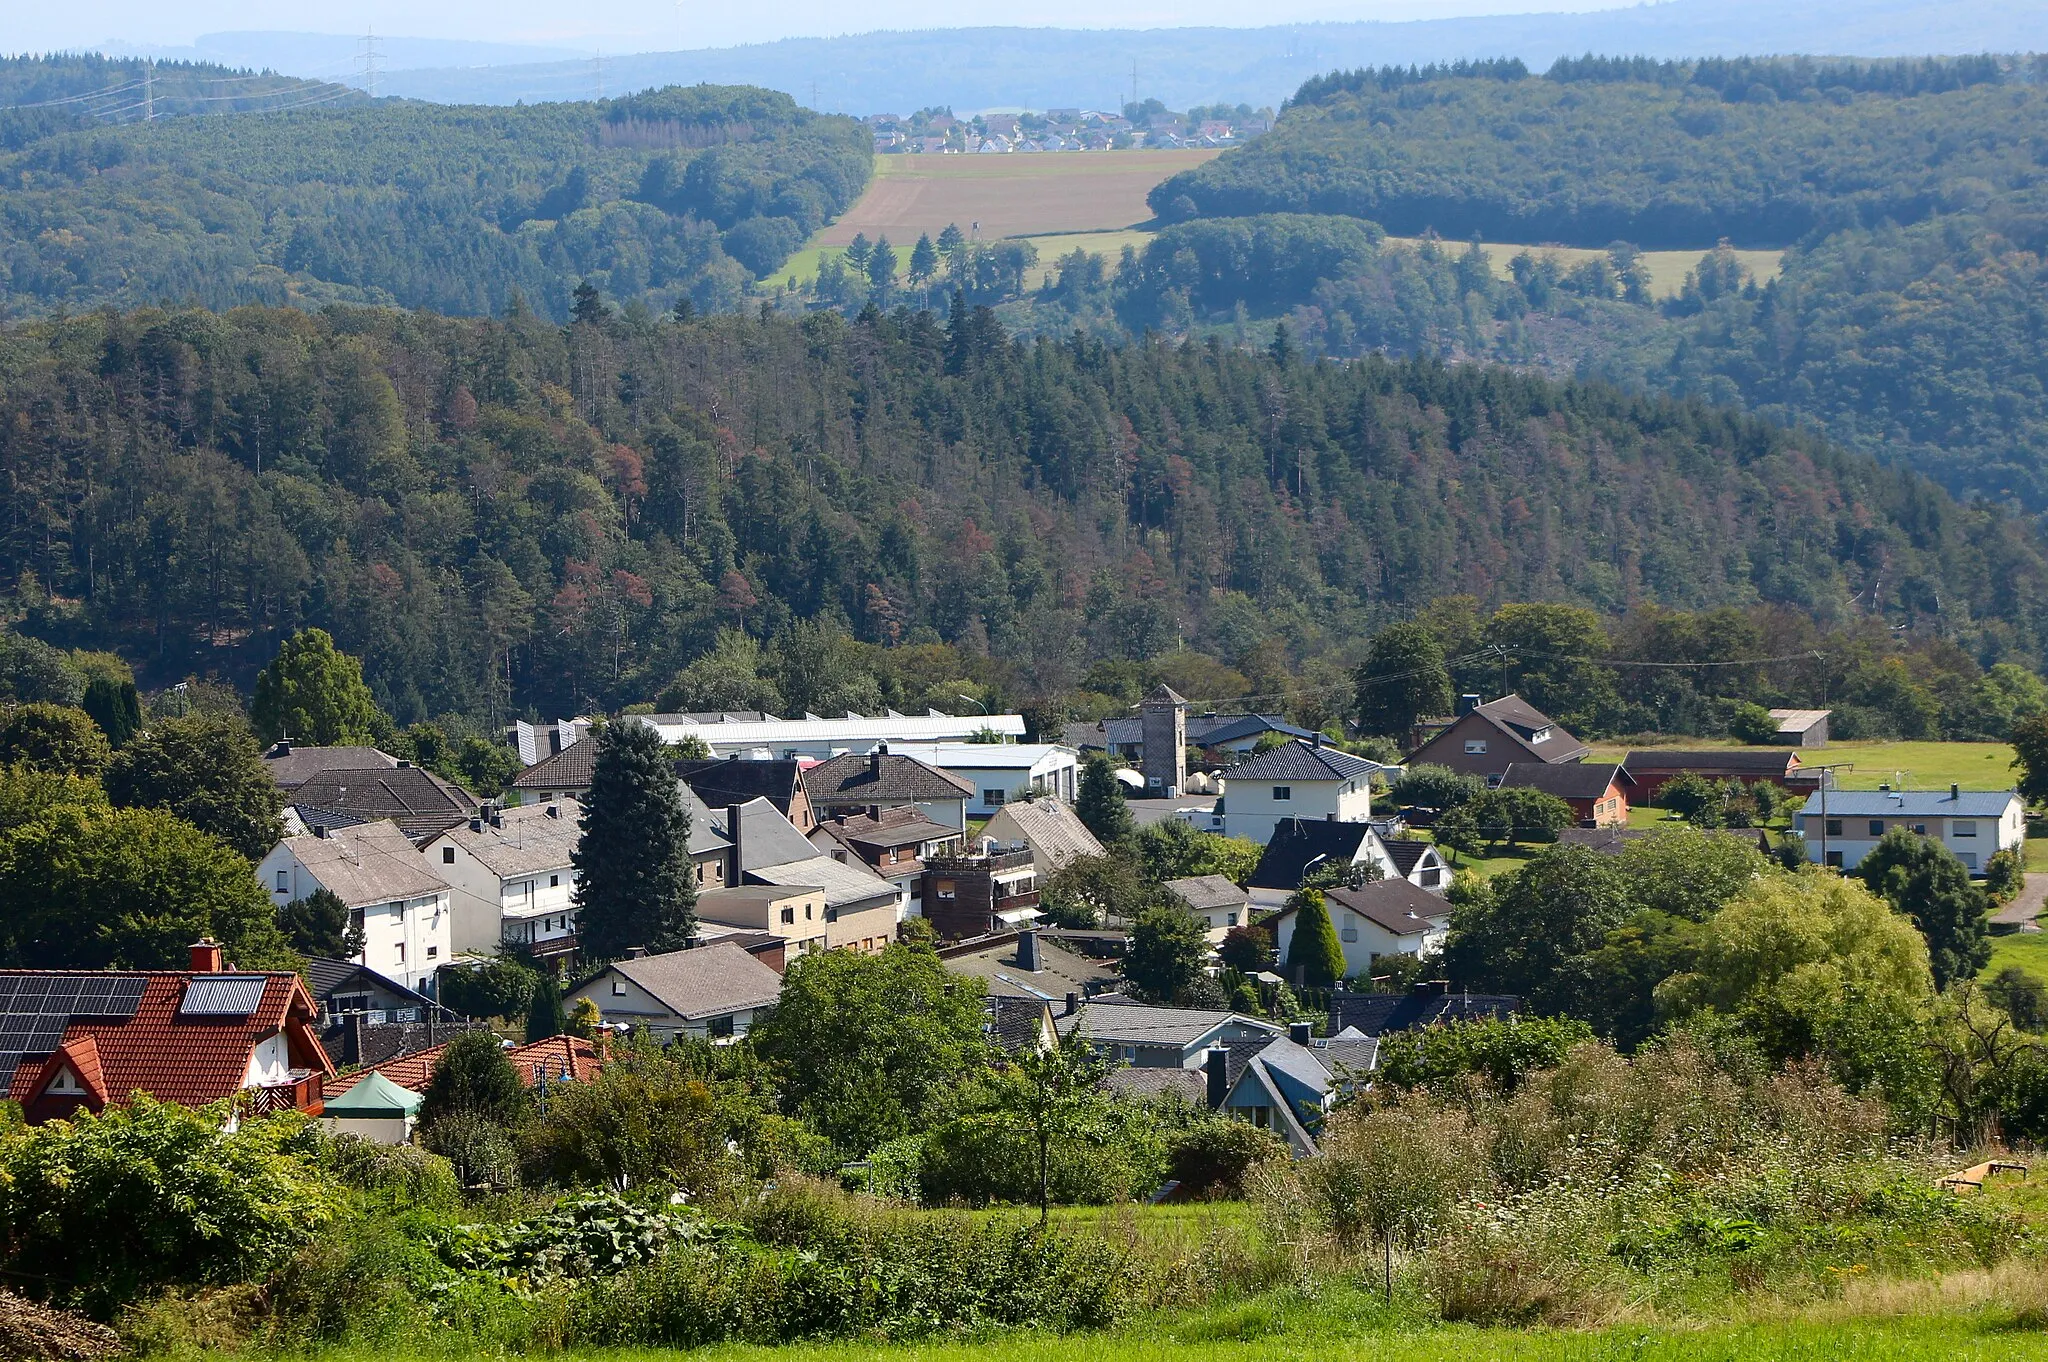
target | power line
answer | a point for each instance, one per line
(368, 54)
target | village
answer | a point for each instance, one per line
(1148, 125)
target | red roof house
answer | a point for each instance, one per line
(558, 1059)
(89, 1039)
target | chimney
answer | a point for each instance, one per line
(352, 1039)
(281, 748)
(476, 824)
(206, 956)
(881, 749)
(875, 764)
(636, 952)
(1073, 1004)
(732, 834)
(1301, 1033)
(1027, 951)
(1319, 741)
(1955, 792)
(1216, 1070)
(1466, 704)
(1433, 988)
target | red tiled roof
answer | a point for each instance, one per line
(191, 1060)
(554, 1056)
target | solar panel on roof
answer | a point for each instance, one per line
(222, 995)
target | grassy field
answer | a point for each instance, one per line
(1906, 765)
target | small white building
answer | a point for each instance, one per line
(1841, 826)
(1003, 773)
(1220, 904)
(1385, 917)
(763, 735)
(392, 894)
(715, 990)
(510, 880)
(1299, 780)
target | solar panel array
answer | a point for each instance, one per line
(223, 995)
(35, 1009)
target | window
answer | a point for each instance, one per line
(400, 953)
(1349, 934)
(719, 1028)
(1834, 827)
(1475, 747)
(992, 798)
(808, 911)
(284, 881)
(1964, 829)
(433, 951)
(618, 988)
(831, 915)
(1835, 859)
(1877, 827)
(1231, 917)
(447, 855)
(1282, 793)
(554, 881)
(1130, 1052)
(788, 916)
(700, 872)
(1540, 735)
(1920, 829)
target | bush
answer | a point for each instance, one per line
(1214, 1159)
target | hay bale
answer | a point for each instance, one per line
(42, 1333)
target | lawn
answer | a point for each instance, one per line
(2027, 950)
(1867, 765)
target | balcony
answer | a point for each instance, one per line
(993, 863)
(305, 1092)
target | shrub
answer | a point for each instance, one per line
(1214, 1159)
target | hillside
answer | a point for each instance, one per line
(498, 515)
(667, 194)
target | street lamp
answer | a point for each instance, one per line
(972, 701)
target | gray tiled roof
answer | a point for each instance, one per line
(1393, 905)
(845, 883)
(881, 778)
(374, 863)
(1136, 1024)
(1566, 779)
(1303, 761)
(710, 981)
(1204, 892)
(419, 801)
(1055, 834)
(1298, 841)
(526, 840)
(289, 765)
(568, 769)
(1911, 804)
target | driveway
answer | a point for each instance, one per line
(2022, 911)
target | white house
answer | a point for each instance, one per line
(1003, 773)
(760, 735)
(1220, 904)
(510, 880)
(714, 990)
(1300, 780)
(1385, 917)
(1302, 848)
(391, 892)
(1841, 826)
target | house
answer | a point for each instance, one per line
(391, 892)
(539, 1064)
(1157, 1037)
(292, 764)
(1597, 791)
(1214, 899)
(511, 884)
(1841, 826)
(1654, 768)
(1290, 1083)
(1301, 780)
(1802, 727)
(1382, 917)
(710, 849)
(853, 910)
(1056, 835)
(419, 802)
(537, 742)
(560, 776)
(894, 843)
(1302, 846)
(1427, 1004)
(1058, 968)
(365, 1017)
(1000, 773)
(887, 780)
(374, 1109)
(757, 735)
(726, 781)
(976, 893)
(84, 1040)
(715, 990)
(1485, 739)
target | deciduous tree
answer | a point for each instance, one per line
(208, 770)
(313, 693)
(1402, 679)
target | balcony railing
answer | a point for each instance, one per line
(301, 1094)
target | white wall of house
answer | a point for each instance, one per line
(1852, 836)
(270, 1063)
(1001, 773)
(1251, 808)
(490, 908)
(1363, 939)
(404, 939)
(619, 1000)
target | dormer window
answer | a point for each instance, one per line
(1540, 735)
(65, 1084)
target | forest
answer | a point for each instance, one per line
(1906, 320)
(510, 515)
(665, 195)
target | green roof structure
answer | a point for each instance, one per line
(375, 1097)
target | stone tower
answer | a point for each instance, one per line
(1164, 727)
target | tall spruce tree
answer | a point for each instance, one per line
(1314, 949)
(1100, 803)
(544, 1014)
(633, 885)
(114, 706)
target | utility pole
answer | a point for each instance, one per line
(1134, 83)
(368, 54)
(1827, 776)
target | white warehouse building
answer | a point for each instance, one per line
(767, 737)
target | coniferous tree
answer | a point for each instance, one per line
(114, 706)
(924, 260)
(1100, 803)
(544, 1014)
(1314, 949)
(634, 886)
(313, 693)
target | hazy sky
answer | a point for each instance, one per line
(661, 25)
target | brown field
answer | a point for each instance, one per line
(1015, 195)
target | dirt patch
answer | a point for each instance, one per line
(36, 1333)
(1013, 195)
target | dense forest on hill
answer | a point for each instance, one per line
(508, 514)
(679, 193)
(1908, 319)
(87, 89)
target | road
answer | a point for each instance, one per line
(2022, 911)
